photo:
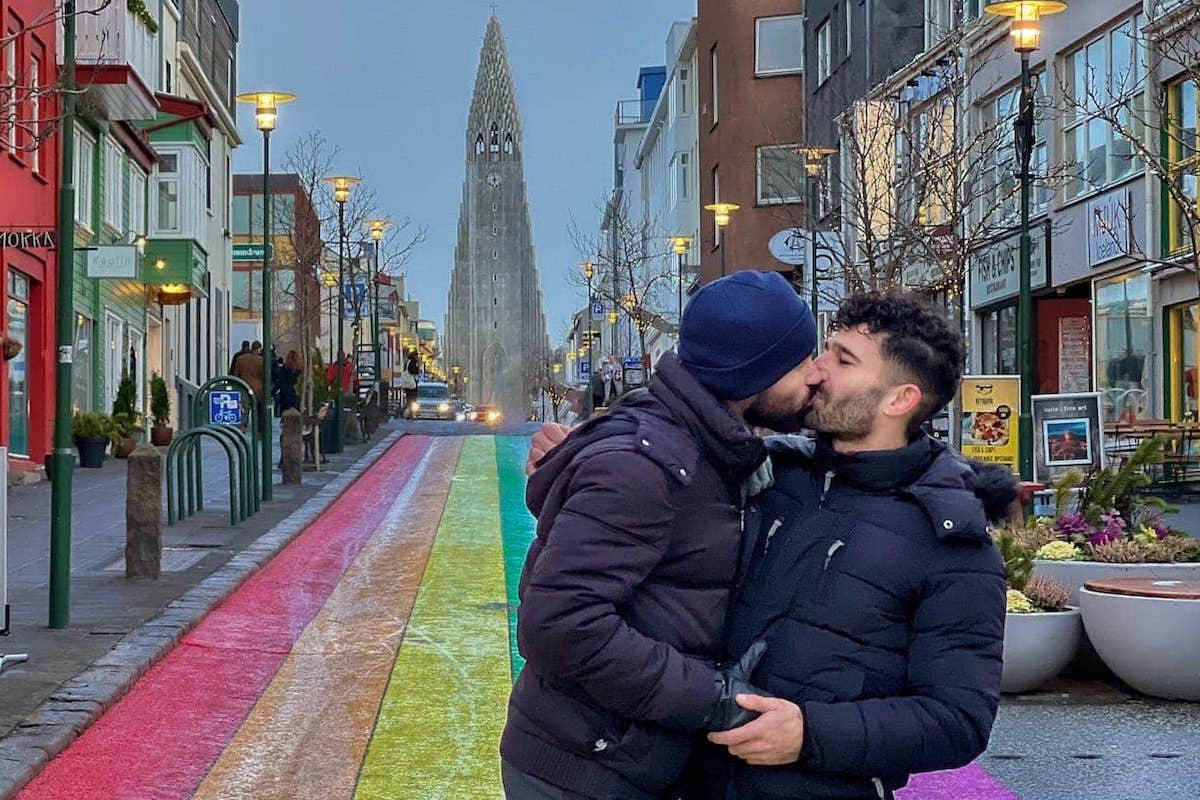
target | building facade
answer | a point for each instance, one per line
(28, 205)
(751, 123)
(495, 327)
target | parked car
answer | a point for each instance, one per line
(487, 414)
(433, 402)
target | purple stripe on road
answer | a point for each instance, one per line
(969, 783)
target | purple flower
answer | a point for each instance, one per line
(1105, 536)
(1162, 530)
(1072, 525)
(1112, 520)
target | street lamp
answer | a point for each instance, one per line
(341, 193)
(1026, 32)
(721, 213)
(329, 278)
(377, 227)
(680, 245)
(814, 161)
(266, 116)
(589, 272)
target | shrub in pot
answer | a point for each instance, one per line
(160, 412)
(126, 420)
(1041, 632)
(93, 431)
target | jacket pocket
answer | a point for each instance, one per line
(652, 757)
(566, 721)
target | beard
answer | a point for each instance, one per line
(781, 417)
(847, 418)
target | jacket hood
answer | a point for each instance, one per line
(961, 497)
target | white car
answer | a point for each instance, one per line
(433, 402)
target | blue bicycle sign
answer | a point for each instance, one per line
(225, 408)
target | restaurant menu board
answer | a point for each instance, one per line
(990, 404)
(1068, 433)
(1074, 354)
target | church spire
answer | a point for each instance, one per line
(494, 121)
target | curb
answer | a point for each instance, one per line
(76, 704)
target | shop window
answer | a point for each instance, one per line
(1124, 331)
(1182, 325)
(1184, 152)
(998, 341)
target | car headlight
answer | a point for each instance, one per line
(443, 407)
(415, 407)
(460, 417)
(493, 416)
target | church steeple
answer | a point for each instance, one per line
(494, 124)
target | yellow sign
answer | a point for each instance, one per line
(990, 404)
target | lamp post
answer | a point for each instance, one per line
(721, 214)
(680, 245)
(456, 370)
(330, 280)
(814, 161)
(589, 272)
(1026, 33)
(341, 193)
(377, 227)
(63, 457)
(266, 115)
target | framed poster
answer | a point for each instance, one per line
(1068, 433)
(990, 405)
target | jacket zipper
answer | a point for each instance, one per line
(838, 545)
(828, 480)
(775, 526)
(879, 788)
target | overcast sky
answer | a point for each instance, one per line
(390, 81)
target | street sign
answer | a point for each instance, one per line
(112, 261)
(225, 408)
(356, 298)
(585, 368)
(633, 362)
(243, 253)
(597, 308)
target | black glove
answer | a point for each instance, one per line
(734, 679)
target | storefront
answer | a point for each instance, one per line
(1124, 336)
(995, 286)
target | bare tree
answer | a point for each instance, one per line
(635, 270)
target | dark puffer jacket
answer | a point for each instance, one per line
(626, 588)
(881, 597)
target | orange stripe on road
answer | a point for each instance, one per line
(307, 734)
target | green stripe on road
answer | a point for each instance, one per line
(441, 718)
(517, 525)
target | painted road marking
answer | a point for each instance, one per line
(518, 527)
(309, 731)
(439, 726)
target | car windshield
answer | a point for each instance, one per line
(433, 391)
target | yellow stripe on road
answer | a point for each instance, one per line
(439, 726)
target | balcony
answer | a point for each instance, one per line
(116, 54)
(634, 112)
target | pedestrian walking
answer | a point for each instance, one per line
(250, 368)
(284, 381)
(245, 349)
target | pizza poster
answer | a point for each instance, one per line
(990, 404)
(1067, 434)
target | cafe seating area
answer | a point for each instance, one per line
(1180, 467)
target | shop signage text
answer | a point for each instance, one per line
(1108, 227)
(244, 253)
(28, 240)
(994, 270)
(112, 261)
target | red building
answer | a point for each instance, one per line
(29, 182)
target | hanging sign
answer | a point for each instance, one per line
(112, 261)
(990, 404)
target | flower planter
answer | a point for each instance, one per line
(127, 446)
(1037, 647)
(1148, 633)
(161, 436)
(91, 451)
(1074, 574)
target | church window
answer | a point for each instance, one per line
(495, 254)
(495, 207)
(479, 145)
(508, 145)
(494, 145)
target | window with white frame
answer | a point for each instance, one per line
(780, 174)
(166, 194)
(114, 185)
(137, 201)
(939, 20)
(10, 94)
(999, 201)
(35, 111)
(680, 177)
(824, 52)
(779, 45)
(682, 86)
(85, 174)
(716, 97)
(1104, 82)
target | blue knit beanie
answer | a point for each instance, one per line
(744, 332)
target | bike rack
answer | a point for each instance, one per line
(181, 501)
(252, 440)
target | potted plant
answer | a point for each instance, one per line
(1105, 527)
(126, 420)
(93, 431)
(160, 412)
(1041, 632)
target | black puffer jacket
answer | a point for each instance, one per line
(881, 597)
(626, 588)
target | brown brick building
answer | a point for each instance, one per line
(750, 123)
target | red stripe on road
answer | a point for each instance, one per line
(162, 738)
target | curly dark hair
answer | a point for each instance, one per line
(919, 340)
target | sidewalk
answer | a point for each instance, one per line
(105, 606)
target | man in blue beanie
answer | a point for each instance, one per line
(626, 587)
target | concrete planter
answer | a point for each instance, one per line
(1151, 643)
(1037, 647)
(1074, 574)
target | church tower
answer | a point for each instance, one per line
(495, 326)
